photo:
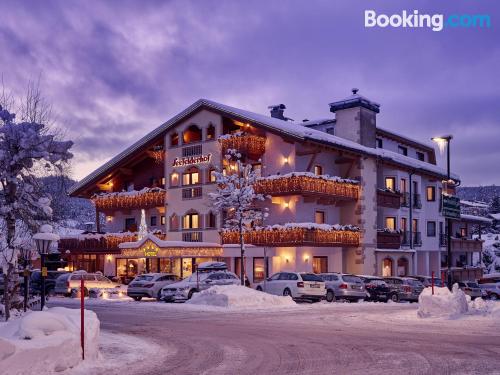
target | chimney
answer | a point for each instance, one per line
(356, 119)
(277, 111)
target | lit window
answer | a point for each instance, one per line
(191, 177)
(318, 170)
(390, 183)
(163, 181)
(431, 193)
(212, 176)
(162, 220)
(259, 269)
(319, 217)
(191, 221)
(402, 186)
(390, 223)
(174, 179)
(192, 134)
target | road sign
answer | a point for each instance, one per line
(451, 207)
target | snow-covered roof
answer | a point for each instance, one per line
(495, 216)
(475, 218)
(317, 122)
(293, 129)
(166, 244)
(473, 204)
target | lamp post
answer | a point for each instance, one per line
(43, 240)
(445, 142)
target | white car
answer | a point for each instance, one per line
(150, 285)
(68, 284)
(207, 275)
(298, 285)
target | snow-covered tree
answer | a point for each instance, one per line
(495, 205)
(26, 149)
(236, 198)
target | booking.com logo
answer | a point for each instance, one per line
(436, 22)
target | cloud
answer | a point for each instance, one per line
(115, 70)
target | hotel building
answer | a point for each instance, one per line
(344, 195)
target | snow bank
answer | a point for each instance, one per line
(48, 341)
(443, 303)
(237, 296)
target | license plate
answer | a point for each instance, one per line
(382, 295)
(355, 287)
(314, 286)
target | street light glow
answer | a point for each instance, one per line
(442, 142)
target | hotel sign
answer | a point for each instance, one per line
(192, 160)
(451, 207)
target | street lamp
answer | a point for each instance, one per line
(443, 142)
(43, 240)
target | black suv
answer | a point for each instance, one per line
(50, 281)
(376, 288)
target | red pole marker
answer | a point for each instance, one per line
(432, 282)
(82, 317)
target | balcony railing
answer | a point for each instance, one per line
(192, 236)
(307, 184)
(98, 243)
(388, 240)
(405, 199)
(295, 236)
(252, 145)
(417, 201)
(387, 198)
(417, 239)
(463, 244)
(145, 198)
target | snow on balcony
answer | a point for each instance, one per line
(145, 198)
(251, 145)
(306, 183)
(296, 234)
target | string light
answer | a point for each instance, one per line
(108, 242)
(301, 184)
(294, 237)
(250, 144)
(142, 199)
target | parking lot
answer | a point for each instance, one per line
(361, 338)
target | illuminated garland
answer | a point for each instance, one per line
(141, 199)
(301, 184)
(107, 242)
(246, 143)
(294, 237)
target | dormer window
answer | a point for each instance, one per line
(420, 156)
(380, 143)
(210, 132)
(174, 139)
(403, 150)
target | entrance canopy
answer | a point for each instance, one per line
(153, 247)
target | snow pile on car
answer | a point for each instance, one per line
(237, 296)
(443, 303)
(47, 341)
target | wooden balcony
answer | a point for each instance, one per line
(466, 245)
(294, 237)
(145, 198)
(309, 184)
(253, 146)
(388, 240)
(98, 243)
(390, 199)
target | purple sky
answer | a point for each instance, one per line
(114, 70)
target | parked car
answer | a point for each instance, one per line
(490, 285)
(343, 286)
(427, 281)
(471, 288)
(69, 284)
(208, 274)
(298, 285)
(404, 288)
(150, 285)
(50, 281)
(376, 288)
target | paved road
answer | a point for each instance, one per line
(305, 341)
